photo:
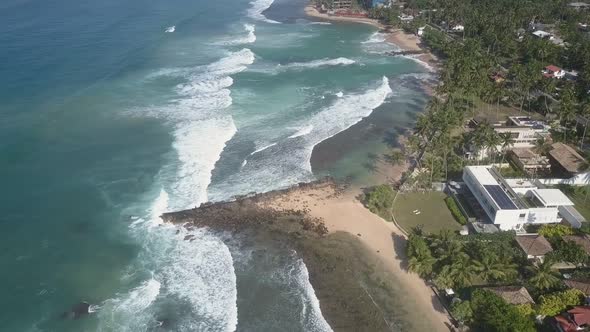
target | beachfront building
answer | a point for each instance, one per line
(534, 246)
(552, 71)
(529, 161)
(511, 204)
(579, 5)
(566, 161)
(524, 133)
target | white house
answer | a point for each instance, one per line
(552, 71)
(458, 28)
(542, 34)
(512, 209)
(523, 131)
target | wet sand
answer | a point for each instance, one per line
(355, 260)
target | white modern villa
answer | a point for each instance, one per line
(510, 204)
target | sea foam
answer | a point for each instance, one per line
(198, 273)
(290, 161)
(257, 7)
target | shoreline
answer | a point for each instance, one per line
(344, 247)
(311, 11)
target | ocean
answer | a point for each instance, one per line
(115, 111)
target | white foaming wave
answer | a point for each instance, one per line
(160, 205)
(131, 311)
(233, 63)
(376, 37)
(319, 63)
(257, 7)
(291, 162)
(312, 318)
(263, 148)
(320, 23)
(170, 29)
(376, 44)
(202, 274)
(200, 271)
(244, 163)
(199, 145)
(344, 113)
(248, 39)
(339, 94)
(302, 131)
(420, 62)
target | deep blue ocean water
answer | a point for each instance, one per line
(114, 111)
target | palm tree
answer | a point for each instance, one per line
(422, 265)
(507, 142)
(542, 146)
(544, 275)
(585, 112)
(491, 268)
(446, 245)
(459, 273)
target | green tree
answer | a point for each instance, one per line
(544, 277)
(420, 259)
(491, 269)
(554, 303)
(556, 230)
(492, 313)
(569, 251)
(462, 311)
(380, 200)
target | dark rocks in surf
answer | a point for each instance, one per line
(77, 311)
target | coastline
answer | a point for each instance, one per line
(313, 12)
(356, 260)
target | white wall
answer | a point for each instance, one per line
(578, 180)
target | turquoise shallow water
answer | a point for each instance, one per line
(106, 121)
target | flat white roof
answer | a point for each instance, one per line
(482, 175)
(552, 197)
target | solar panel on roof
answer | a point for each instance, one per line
(501, 198)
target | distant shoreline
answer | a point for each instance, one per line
(313, 12)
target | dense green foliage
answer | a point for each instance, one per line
(553, 304)
(380, 200)
(492, 313)
(461, 310)
(544, 276)
(568, 251)
(455, 262)
(497, 42)
(555, 230)
(452, 204)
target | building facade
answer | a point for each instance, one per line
(509, 209)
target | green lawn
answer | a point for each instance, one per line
(434, 214)
(578, 196)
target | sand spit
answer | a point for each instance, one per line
(355, 259)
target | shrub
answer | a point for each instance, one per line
(492, 313)
(452, 205)
(555, 230)
(553, 304)
(462, 311)
(380, 200)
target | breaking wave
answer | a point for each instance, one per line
(290, 161)
(249, 38)
(377, 44)
(192, 268)
(257, 7)
(319, 63)
(170, 29)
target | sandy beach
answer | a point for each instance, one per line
(344, 212)
(405, 41)
(313, 12)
